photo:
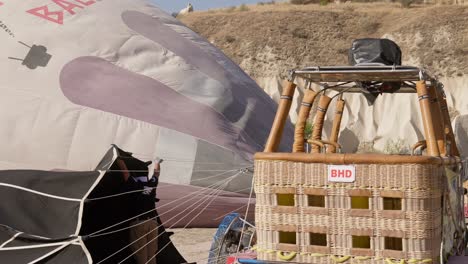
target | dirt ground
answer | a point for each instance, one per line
(267, 40)
(194, 244)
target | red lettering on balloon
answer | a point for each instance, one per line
(43, 12)
(58, 16)
(67, 5)
(86, 3)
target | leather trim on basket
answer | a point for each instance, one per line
(315, 191)
(393, 254)
(283, 190)
(361, 232)
(282, 209)
(287, 247)
(285, 228)
(392, 194)
(318, 249)
(367, 193)
(393, 233)
(360, 212)
(366, 252)
(316, 229)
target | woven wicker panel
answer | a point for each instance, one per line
(347, 212)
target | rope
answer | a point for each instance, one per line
(246, 216)
(201, 190)
(149, 211)
(158, 187)
(113, 254)
(172, 209)
(235, 210)
(219, 190)
(183, 197)
(147, 170)
(189, 161)
(195, 217)
(217, 175)
(224, 215)
(116, 195)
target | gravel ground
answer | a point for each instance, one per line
(194, 244)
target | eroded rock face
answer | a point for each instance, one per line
(430, 37)
(460, 126)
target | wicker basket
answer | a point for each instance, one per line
(390, 214)
(393, 208)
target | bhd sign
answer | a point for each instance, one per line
(341, 173)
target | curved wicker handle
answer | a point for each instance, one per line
(318, 143)
(334, 144)
(421, 144)
(323, 144)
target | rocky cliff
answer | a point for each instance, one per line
(268, 40)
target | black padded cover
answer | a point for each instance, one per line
(378, 51)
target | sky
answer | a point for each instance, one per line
(176, 5)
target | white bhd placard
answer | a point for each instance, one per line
(341, 173)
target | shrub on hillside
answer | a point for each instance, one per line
(243, 7)
(406, 3)
(302, 2)
(300, 33)
(230, 39)
(266, 3)
(230, 9)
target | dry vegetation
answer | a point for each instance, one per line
(268, 39)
